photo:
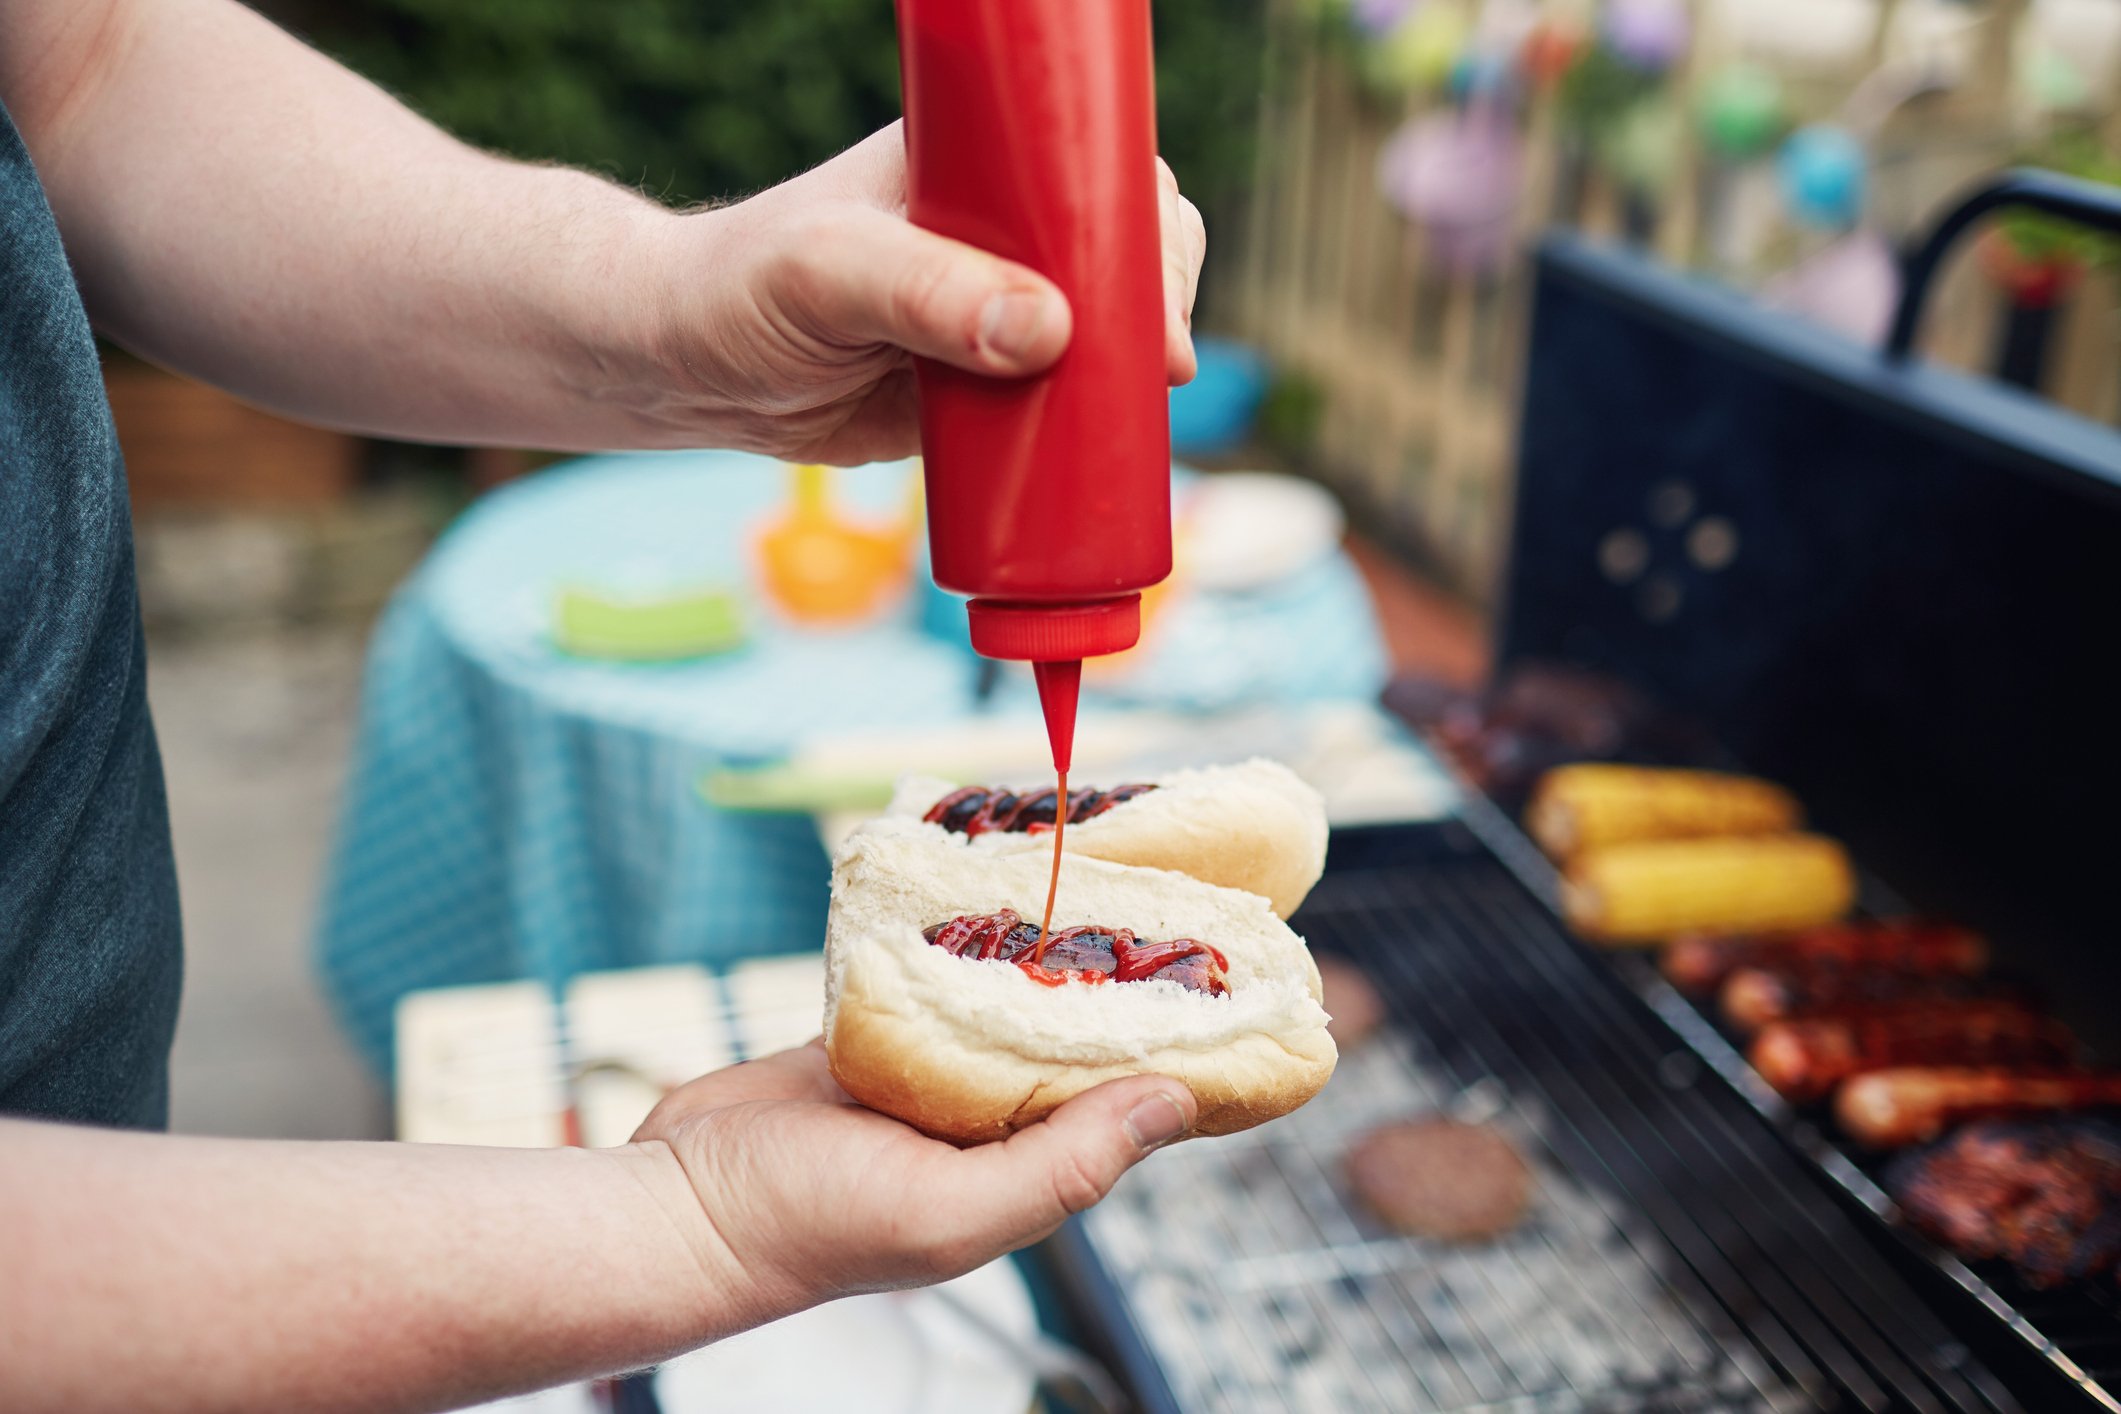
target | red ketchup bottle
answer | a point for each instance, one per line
(1031, 133)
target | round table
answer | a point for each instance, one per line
(512, 811)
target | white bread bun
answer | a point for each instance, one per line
(1254, 826)
(971, 1050)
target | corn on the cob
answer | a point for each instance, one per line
(1647, 890)
(1591, 805)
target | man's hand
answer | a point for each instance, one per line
(808, 1196)
(317, 249)
(794, 315)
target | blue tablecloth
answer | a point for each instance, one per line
(514, 812)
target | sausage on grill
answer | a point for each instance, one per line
(1907, 1105)
(1754, 996)
(1699, 965)
(1805, 1059)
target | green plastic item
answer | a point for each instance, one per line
(662, 628)
(791, 788)
(795, 790)
(1742, 112)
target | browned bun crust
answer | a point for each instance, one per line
(965, 1097)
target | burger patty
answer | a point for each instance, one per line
(976, 810)
(1084, 954)
(1438, 1178)
(1352, 1004)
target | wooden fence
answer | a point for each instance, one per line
(1416, 367)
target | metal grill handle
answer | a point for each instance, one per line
(2073, 199)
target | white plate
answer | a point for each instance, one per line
(897, 1353)
(902, 1352)
(1246, 529)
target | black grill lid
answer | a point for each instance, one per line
(1891, 586)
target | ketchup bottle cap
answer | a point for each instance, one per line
(1049, 633)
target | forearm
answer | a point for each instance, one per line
(243, 209)
(176, 1274)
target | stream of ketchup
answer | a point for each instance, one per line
(1059, 687)
(1060, 827)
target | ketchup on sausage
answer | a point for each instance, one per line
(1083, 954)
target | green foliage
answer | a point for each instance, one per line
(699, 99)
(1208, 79)
(2036, 237)
(1290, 414)
(689, 100)
(1601, 89)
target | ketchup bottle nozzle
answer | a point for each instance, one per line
(1059, 687)
(1054, 639)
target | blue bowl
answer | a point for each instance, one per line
(1214, 412)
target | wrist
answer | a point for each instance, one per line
(624, 304)
(690, 284)
(727, 1292)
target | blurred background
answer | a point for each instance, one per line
(1371, 173)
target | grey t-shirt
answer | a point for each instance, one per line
(90, 957)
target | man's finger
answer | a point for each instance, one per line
(864, 276)
(1185, 241)
(1017, 1191)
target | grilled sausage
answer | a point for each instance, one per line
(1082, 954)
(1699, 965)
(1754, 996)
(1805, 1060)
(975, 810)
(1889, 1108)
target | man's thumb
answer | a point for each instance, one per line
(871, 277)
(1039, 1177)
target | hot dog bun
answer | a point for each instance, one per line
(969, 1051)
(1253, 826)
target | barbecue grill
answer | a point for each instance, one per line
(1874, 580)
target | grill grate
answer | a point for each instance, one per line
(1678, 1257)
(2076, 1328)
(2074, 1331)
